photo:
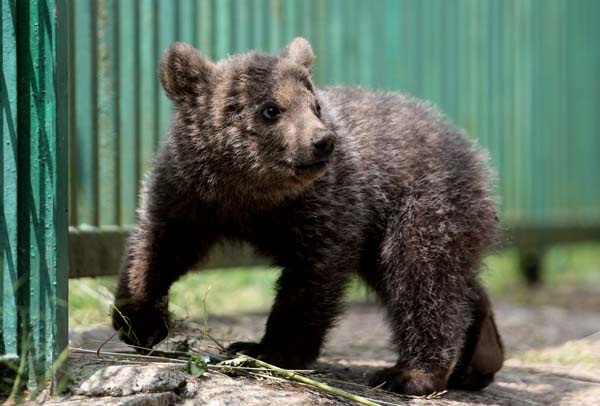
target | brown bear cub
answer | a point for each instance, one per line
(329, 183)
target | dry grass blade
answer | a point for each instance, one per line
(206, 330)
(120, 355)
(434, 395)
(242, 360)
(129, 333)
(99, 350)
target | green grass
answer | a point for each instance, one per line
(571, 353)
(574, 265)
(571, 275)
(89, 300)
(240, 290)
(230, 291)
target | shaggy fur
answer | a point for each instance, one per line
(328, 183)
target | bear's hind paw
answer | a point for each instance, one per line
(408, 381)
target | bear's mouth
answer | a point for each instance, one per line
(310, 167)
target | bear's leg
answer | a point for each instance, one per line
(426, 266)
(483, 353)
(429, 319)
(159, 251)
(306, 306)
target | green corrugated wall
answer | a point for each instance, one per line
(520, 75)
(33, 187)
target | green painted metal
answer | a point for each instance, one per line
(8, 179)
(519, 75)
(33, 230)
(129, 119)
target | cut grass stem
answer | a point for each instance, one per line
(294, 376)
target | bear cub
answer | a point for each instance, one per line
(329, 183)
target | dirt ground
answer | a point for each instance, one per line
(553, 358)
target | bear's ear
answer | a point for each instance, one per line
(299, 51)
(184, 71)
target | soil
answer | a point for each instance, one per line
(553, 358)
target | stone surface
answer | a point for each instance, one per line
(146, 399)
(123, 380)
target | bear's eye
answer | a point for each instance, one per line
(271, 112)
(318, 110)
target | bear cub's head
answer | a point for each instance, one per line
(250, 124)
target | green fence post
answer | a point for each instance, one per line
(8, 185)
(34, 180)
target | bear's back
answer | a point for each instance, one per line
(396, 142)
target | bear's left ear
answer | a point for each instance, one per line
(184, 71)
(299, 51)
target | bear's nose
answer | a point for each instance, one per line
(323, 143)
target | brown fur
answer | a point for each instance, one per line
(341, 181)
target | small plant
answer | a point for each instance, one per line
(197, 365)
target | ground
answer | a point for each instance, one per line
(553, 358)
(552, 335)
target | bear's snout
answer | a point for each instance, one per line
(315, 156)
(323, 143)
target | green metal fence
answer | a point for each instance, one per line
(520, 75)
(33, 185)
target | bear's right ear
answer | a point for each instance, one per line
(184, 71)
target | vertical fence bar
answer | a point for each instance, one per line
(147, 82)
(61, 153)
(41, 206)
(222, 37)
(107, 90)
(186, 27)
(166, 35)
(8, 181)
(206, 27)
(128, 125)
(334, 33)
(34, 219)
(393, 41)
(275, 20)
(521, 111)
(84, 111)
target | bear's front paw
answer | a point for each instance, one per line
(408, 381)
(142, 326)
(245, 347)
(280, 358)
